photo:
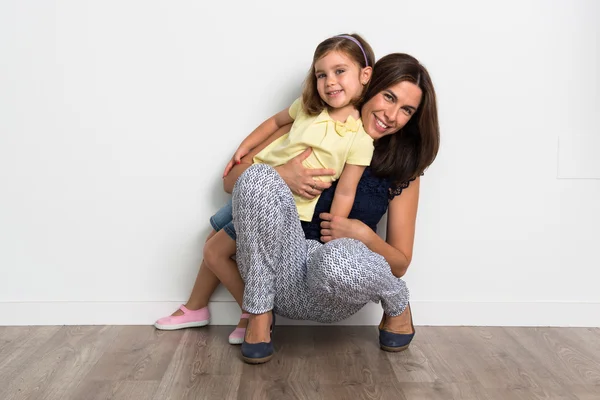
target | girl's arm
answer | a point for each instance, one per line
(397, 249)
(343, 199)
(258, 136)
(296, 176)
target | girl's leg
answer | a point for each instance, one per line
(271, 249)
(218, 251)
(196, 314)
(205, 285)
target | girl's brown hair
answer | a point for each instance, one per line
(405, 154)
(311, 101)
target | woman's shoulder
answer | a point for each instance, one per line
(372, 183)
(397, 188)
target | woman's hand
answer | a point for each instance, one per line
(336, 227)
(301, 179)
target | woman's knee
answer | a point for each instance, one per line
(345, 264)
(335, 264)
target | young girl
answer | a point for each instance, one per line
(326, 119)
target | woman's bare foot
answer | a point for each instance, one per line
(259, 328)
(399, 324)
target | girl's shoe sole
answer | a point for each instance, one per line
(236, 341)
(181, 326)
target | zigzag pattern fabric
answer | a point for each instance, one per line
(300, 278)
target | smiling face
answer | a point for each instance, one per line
(339, 79)
(390, 110)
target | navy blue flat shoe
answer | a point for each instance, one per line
(258, 353)
(394, 342)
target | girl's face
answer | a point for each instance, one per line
(389, 110)
(340, 80)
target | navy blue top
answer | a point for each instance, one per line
(373, 195)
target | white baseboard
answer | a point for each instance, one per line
(227, 313)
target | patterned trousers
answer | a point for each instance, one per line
(296, 277)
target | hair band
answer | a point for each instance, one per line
(359, 46)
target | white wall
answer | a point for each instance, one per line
(117, 117)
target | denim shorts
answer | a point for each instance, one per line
(223, 219)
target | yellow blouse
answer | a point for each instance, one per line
(334, 144)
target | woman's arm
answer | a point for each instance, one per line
(299, 179)
(397, 249)
(343, 199)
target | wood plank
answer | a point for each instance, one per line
(327, 354)
(351, 355)
(18, 344)
(311, 362)
(278, 389)
(559, 352)
(431, 357)
(60, 364)
(138, 353)
(413, 364)
(304, 390)
(585, 392)
(475, 356)
(114, 390)
(507, 364)
(127, 390)
(588, 339)
(328, 362)
(203, 366)
(448, 391)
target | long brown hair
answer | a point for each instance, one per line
(405, 154)
(311, 101)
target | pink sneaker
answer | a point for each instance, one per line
(189, 319)
(237, 336)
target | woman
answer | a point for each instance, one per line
(302, 278)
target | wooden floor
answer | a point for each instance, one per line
(139, 362)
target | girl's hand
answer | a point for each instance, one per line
(236, 159)
(336, 227)
(300, 179)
